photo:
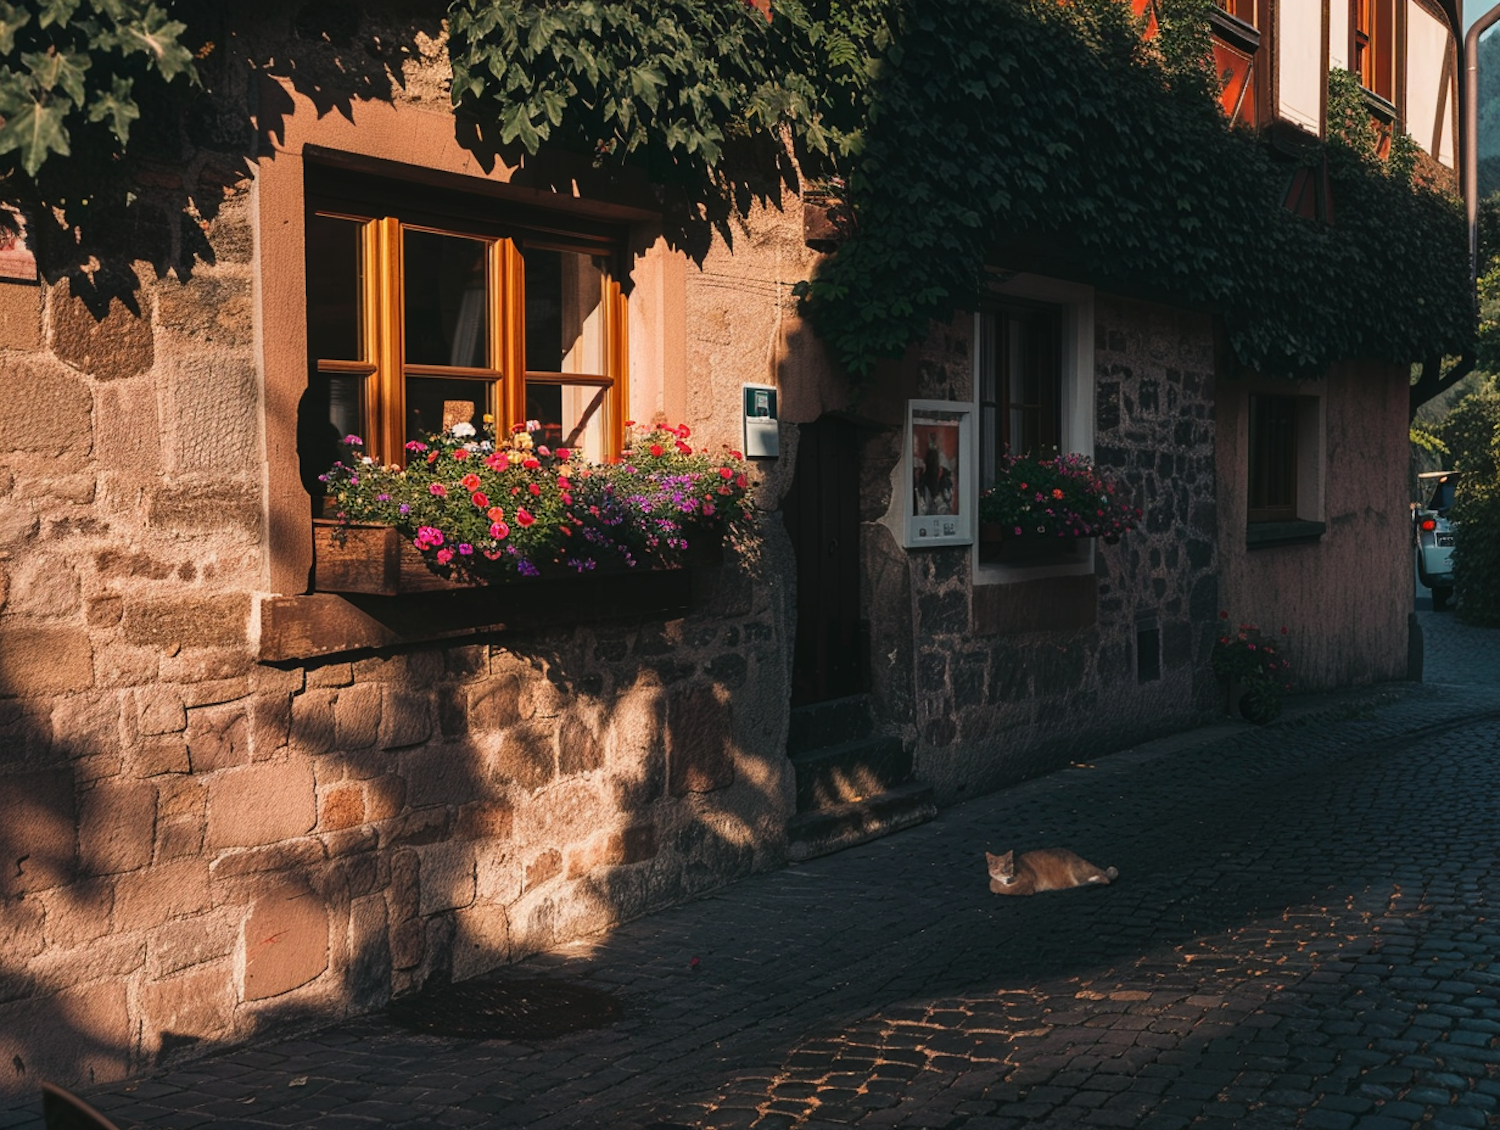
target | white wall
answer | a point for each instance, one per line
(1427, 44)
(1300, 67)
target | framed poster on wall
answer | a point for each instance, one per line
(939, 468)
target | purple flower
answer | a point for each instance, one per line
(405, 509)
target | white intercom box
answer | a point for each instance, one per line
(762, 437)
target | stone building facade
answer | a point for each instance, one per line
(233, 801)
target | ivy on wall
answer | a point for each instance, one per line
(1061, 130)
(963, 135)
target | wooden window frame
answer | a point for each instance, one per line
(1373, 40)
(994, 353)
(387, 209)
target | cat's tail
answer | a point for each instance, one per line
(1112, 873)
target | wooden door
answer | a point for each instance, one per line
(822, 515)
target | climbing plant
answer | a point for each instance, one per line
(961, 135)
(1066, 136)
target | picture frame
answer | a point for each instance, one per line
(939, 496)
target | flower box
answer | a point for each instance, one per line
(375, 560)
(370, 558)
(998, 547)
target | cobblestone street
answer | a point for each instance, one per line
(1304, 934)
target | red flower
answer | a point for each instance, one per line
(478, 499)
(461, 453)
(498, 461)
(470, 481)
(535, 490)
(657, 450)
(530, 464)
(725, 473)
(524, 518)
(432, 457)
(495, 514)
(564, 454)
(683, 432)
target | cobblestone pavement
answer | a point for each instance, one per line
(1305, 933)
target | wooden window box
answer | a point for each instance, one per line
(387, 597)
(371, 559)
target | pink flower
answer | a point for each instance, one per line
(499, 530)
(499, 461)
(444, 555)
(439, 490)
(564, 454)
(535, 490)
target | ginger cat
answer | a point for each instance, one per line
(1050, 869)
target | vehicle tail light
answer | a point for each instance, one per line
(1429, 524)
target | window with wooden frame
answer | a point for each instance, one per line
(1020, 383)
(426, 309)
(1274, 455)
(1372, 39)
(1236, 43)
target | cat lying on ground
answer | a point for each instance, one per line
(1049, 869)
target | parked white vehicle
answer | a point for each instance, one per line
(1433, 533)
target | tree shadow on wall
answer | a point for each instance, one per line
(195, 148)
(277, 847)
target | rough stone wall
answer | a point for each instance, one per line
(991, 707)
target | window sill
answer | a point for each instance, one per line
(1267, 535)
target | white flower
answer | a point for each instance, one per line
(462, 430)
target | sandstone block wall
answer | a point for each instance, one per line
(194, 844)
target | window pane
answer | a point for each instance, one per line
(564, 311)
(447, 314)
(434, 404)
(333, 286)
(331, 409)
(1273, 453)
(571, 416)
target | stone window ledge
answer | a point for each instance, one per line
(1266, 535)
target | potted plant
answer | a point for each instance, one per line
(1254, 670)
(1047, 502)
(482, 509)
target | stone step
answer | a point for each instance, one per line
(850, 771)
(824, 831)
(829, 723)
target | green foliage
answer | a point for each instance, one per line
(1472, 434)
(1064, 135)
(70, 68)
(701, 94)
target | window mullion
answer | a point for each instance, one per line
(384, 297)
(510, 341)
(617, 354)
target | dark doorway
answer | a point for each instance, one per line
(822, 516)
